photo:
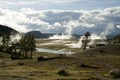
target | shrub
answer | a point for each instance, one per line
(20, 63)
(115, 73)
(63, 73)
(40, 58)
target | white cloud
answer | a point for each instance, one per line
(58, 4)
(60, 1)
(28, 11)
(22, 2)
(64, 21)
(25, 2)
(118, 26)
(32, 2)
(13, 19)
(57, 24)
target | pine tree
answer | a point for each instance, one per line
(31, 43)
(27, 44)
(5, 41)
(87, 34)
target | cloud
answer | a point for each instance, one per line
(13, 19)
(62, 21)
(118, 26)
(58, 4)
(57, 24)
(33, 2)
(22, 2)
(60, 1)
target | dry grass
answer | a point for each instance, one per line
(47, 70)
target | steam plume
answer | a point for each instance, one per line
(107, 31)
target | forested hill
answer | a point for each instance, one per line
(6, 29)
(38, 34)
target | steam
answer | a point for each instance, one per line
(63, 36)
(107, 31)
(79, 44)
(93, 37)
(15, 38)
(69, 30)
(118, 26)
(0, 39)
(102, 36)
(76, 45)
(68, 34)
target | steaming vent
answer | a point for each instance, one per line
(101, 43)
(63, 36)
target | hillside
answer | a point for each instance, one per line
(38, 34)
(111, 49)
(5, 29)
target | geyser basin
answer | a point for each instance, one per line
(63, 36)
(62, 51)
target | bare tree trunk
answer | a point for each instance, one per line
(85, 44)
(31, 54)
(20, 52)
(25, 54)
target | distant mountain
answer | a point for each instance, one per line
(38, 34)
(6, 29)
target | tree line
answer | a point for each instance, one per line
(22, 48)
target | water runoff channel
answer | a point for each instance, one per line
(62, 51)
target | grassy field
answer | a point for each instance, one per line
(32, 69)
(47, 70)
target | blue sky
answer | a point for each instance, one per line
(58, 4)
(62, 16)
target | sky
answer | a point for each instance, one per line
(61, 16)
(59, 4)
